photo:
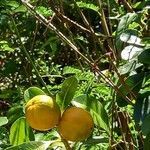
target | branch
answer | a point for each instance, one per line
(49, 25)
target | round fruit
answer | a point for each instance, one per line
(76, 124)
(42, 113)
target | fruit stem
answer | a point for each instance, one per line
(66, 144)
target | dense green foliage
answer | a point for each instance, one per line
(93, 54)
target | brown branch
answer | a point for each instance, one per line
(128, 6)
(49, 25)
(105, 28)
(69, 21)
(120, 77)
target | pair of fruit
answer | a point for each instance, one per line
(42, 113)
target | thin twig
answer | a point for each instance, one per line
(29, 58)
(127, 6)
(121, 78)
(86, 22)
(69, 21)
(122, 132)
(67, 41)
(70, 34)
(112, 119)
(105, 27)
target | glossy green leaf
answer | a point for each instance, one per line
(124, 23)
(130, 52)
(96, 109)
(129, 67)
(99, 115)
(3, 121)
(31, 92)
(65, 96)
(20, 132)
(144, 57)
(134, 84)
(81, 101)
(130, 38)
(33, 145)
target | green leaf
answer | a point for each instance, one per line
(11, 3)
(134, 84)
(33, 145)
(3, 121)
(144, 57)
(130, 52)
(20, 132)
(70, 70)
(141, 107)
(44, 11)
(65, 96)
(88, 6)
(14, 113)
(7, 48)
(147, 142)
(127, 67)
(96, 109)
(130, 39)
(145, 125)
(10, 67)
(99, 115)
(31, 92)
(81, 101)
(20, 9)
(123, 25)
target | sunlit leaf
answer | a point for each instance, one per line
(20, 132)
(130, 52)
(31, 92)
(44, 11)
(33, 145)
(127, 67)
(131, 39)
(14, 4)
(65, 96)
(99, 115)
(3, 121)
(70, 70)
(88, 5)
(123, 25)
(19, 9)
(4, 45)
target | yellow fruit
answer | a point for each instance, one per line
(42, 113)
(76, 124)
